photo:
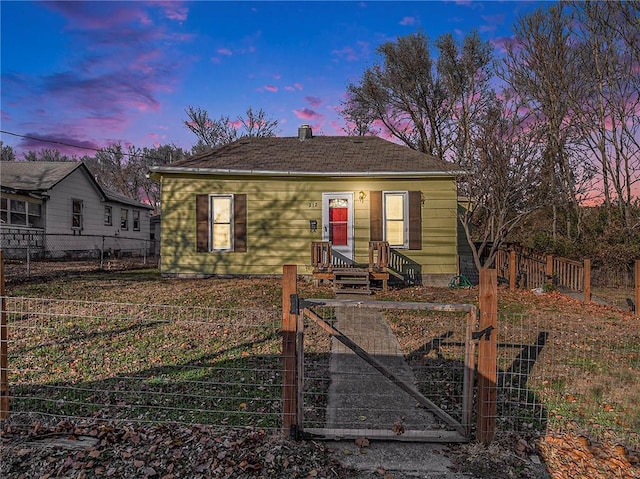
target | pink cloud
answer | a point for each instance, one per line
(271, 88)
(307, 114)
(175, 11)
(294, 87)
(408, 21)
(224, 51)
(314, 101)
(352, 54)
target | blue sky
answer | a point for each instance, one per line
(94, 73)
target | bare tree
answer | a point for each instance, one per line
(404, 94)
(212, 133)
(7, 153)
(542, 67)
(47, 154)
(503, 185)
(359, 121)
(609, 110)
(465, 71)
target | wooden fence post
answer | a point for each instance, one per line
(487, 356)
(587, 280)
(549, 269)
(513, 269)
(637, 281)
(4, 340)
(289, 366)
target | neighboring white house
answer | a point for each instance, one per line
(58, 209)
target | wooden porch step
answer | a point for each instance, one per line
(351, 280)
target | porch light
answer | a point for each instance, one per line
(362, 195)
(313, 226)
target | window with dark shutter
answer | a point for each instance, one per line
(217, 218)
(396, 220)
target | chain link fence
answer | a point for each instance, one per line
(31, 254)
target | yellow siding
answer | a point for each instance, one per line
(278, 214)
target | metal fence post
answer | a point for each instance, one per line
(289, 320)
(4, 342)
(144, 252)
(487, 356)
(637, 281)
(28, 254)
(102, 254)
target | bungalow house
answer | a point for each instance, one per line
(323, 203)
(58, 209)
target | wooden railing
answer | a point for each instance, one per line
(525, 269)
(321, 256)
(324, 258)
(379, 253)
(409, 270)
(568, 273)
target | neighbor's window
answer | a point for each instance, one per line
(396, 225)
(221, 222)
(4, 210)
(108, 216)
(136, 220)
(20, 212)
(76, 214)
(124, 219)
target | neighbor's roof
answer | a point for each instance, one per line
(36, 176)
(319, 155)
(40, 176)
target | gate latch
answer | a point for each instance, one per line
(484, 332)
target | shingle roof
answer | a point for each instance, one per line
(37, 176)
(337, 155)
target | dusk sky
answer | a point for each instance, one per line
(95, 73)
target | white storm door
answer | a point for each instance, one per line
(337, 222)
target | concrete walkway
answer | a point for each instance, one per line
(360, 397)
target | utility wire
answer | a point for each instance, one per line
(130, 155)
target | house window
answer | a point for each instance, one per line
(108, 216)
(221, 223)
(124, 219)
(136, 220)
(76, 215)
(20, 213)
(395, 219)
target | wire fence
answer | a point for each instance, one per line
(144, 363)
(223, 367)
(558, 374)
(30, 254)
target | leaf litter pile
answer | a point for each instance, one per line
(573, 443)
(164, 451)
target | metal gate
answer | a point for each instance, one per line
(384, 370)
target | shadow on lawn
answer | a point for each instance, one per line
(519, 408)
(230, 387)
